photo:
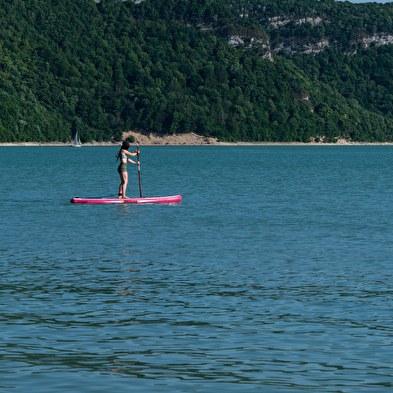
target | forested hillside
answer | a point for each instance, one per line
(171, 66)
(348, 46)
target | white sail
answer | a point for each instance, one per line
(77, 143)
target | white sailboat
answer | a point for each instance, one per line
(77, 142)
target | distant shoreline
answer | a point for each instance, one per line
(191, 139)
(103, 144)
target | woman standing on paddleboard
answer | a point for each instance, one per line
(122, 169)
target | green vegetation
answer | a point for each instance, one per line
(343, 22)
(166, 66)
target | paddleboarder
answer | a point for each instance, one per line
(122, 169)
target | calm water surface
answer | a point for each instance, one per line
(274, 274)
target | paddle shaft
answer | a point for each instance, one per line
(139, 170)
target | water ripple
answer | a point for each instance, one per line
(276, 281)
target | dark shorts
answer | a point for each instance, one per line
(122, 167)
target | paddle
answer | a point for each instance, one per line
(139, 170)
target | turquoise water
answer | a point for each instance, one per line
(273, 274)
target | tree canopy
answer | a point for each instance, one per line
(166, 66)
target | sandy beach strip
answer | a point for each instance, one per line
(192, 139)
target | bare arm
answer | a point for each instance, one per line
(133, 162)
(132, 154)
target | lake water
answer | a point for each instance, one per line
(274, 274)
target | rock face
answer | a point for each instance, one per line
(278, 21)
(293, 46)
(235, 40)
(379, 40)
(306, 45)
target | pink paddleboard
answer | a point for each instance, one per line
(168, 199)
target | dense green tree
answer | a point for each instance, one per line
(166, 66)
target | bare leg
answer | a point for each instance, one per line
(124, 183)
